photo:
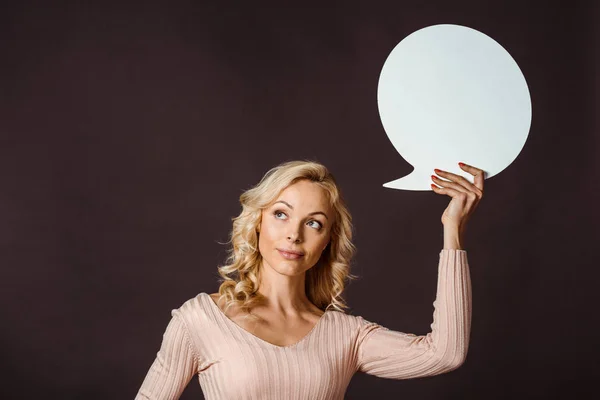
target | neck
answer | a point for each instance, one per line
(285, 294)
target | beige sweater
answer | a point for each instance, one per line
(232, 363)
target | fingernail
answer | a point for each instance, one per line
(437, 171)
(461, 164)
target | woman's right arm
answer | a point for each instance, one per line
(390, 354)
(174, 366)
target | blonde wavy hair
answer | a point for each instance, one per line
(325, 281)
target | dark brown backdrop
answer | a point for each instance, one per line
(128, 133)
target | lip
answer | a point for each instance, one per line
(291, 251)
(290, 254)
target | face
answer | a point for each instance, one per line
(299, 220)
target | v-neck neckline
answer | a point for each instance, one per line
(230, 321)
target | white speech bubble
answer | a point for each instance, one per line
(450, 94)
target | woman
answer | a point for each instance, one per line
(277, 328)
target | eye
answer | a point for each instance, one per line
(319, 226)
(277, 212)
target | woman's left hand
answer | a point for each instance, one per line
(465, 195)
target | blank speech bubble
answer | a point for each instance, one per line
(449, 93)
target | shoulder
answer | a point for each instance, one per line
(348, 320)
(356, 325)
(195, 310)
(349, 329)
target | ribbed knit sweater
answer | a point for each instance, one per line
(232, 363)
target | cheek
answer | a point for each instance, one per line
(270, 232)
(269, 237)
(316, 248)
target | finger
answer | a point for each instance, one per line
(446, 190)
(448, 184)
(469, 201)
(462, 181)
(479, 174)
(470, 196)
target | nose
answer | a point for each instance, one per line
(294, 236)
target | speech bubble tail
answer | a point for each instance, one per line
(413, 181)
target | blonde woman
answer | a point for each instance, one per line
(277, 327)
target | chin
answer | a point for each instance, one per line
(288, 268)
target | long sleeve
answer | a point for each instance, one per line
(174, 365)
(396, 355)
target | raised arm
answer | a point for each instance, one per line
(174, 366)
(396, 355)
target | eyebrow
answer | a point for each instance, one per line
(290, 206)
